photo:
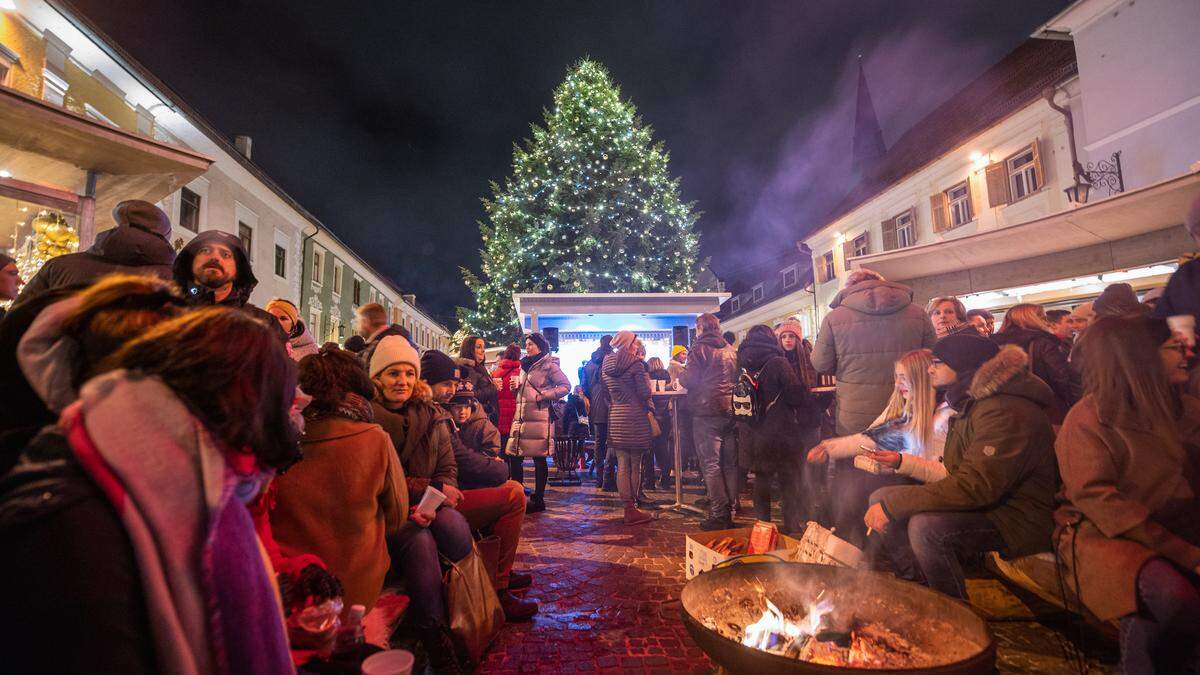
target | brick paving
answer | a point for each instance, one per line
(609, 599)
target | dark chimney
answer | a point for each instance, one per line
(244, 145)
(410, 299)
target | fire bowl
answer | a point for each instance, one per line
(718, 604)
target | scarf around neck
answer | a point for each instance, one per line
(527, 362)
(416, 416)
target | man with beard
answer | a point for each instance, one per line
(213, 269)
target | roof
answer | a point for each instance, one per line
(1013, 83)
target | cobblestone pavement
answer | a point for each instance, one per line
(609, 599)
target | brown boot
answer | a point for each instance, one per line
(634, 516)
(516, 609)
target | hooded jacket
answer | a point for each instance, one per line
(429, 459)
(476, 452)
(1047, 360)
(532, 433)
(137, 245)
(628, 384)
(999, 458)
(708, 376)
(302, 341)
(243, 283)
(777, 437)
(506, 398)
(482, 386)
(870, 326)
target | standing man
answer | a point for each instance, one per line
(213, 269)
(983, 321)
(708, 377)
(10, 280)
(373, 327)
(597, 393)
(872, 324)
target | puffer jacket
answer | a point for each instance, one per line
(777, 437)
(628, 384)
(125, 249)
(506, 398)
(481, 383)
(532, 433)
(709, 375)
(999, 458)
(476, 453)
(594, 389)
(870, 326)
(429, 460)
(302, 341)
(1048, 361)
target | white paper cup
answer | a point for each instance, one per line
(430, 501)
(391, 662)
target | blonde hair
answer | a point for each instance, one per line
(960, 310)
(655, 363)
(922, 399)
(1026, 315)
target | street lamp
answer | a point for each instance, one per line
(1078, 193)
(1105, 173)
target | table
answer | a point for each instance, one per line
(673, 397)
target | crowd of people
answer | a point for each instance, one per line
(180, 465)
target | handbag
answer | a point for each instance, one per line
(655, 428)
(475, 613)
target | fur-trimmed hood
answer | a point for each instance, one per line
(1008, 373)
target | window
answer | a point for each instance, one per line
(357, 291)
(825, 270)
(906, 231)
(189, 210)
(54, 88)
(1024, 173)
(338, 270)
(280, 262)
(318, 266)
(735, 304)
(789, 277)
(246, 233)
(756, 294)
(959, 200)
(8, 59)
(853, 248)
(314, 322)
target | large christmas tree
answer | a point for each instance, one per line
(589, 207)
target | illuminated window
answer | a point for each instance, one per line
(1023, 178)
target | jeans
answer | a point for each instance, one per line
(660, 453)
(605, 462)
(503, 510)
(541, 473)
(629, 473)
(850, 495)
(927, 546)
(718, 462)
(1164, 635)
(414, 552)
(796, 478)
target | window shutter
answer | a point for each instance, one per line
(889, 235)
(971, 199)
(819, 269)
(997, 184)
(847, 251)
(1037, 165)
(912, 215)
(939, 214)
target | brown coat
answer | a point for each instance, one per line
(429, 459)
(1130, 500)
(341, 501)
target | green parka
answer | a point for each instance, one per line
(999, 458)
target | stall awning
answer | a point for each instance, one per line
(44, 144)
(1150, 209)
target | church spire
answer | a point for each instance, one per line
(868, 137)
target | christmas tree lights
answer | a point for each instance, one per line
(588, 208)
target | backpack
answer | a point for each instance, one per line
(748, 405)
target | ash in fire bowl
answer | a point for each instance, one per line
(820, 618)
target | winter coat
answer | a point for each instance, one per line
(1182, 295)
(628, 384)
(506, 398)
(341, 502)
(476, 450)
(302, 341)
(574, 410)
(429, 459)
(999, 458)
(532, 433)
(1132, 496)
(481, 383)
(243, 283)
(777, 438)
(709, 375)
(368, 350)
(1047, 360)
(594, 389)
(60, 532)
(127, 250)
(870, 326)
(675, 369)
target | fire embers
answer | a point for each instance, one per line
(824, 636)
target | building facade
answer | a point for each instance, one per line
(770, 292)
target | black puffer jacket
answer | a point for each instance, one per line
(628, 419)
(481, 383)
(124, 249)
(788, 404)
(1048, 361)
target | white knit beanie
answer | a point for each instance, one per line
(623, 339)
(394, 349)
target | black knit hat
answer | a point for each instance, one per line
(438, 367)
(965, 351)
(543, 346)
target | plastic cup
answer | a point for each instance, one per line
(391, 662)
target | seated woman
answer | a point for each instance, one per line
(126, 522)
(347, 495)
(1127, 452)
(1025, 325)
(907, 440)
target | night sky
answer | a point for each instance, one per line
(387, 119)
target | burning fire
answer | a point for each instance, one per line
(775, 633)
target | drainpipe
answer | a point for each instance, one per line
(1048, 93)
(303, 267)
